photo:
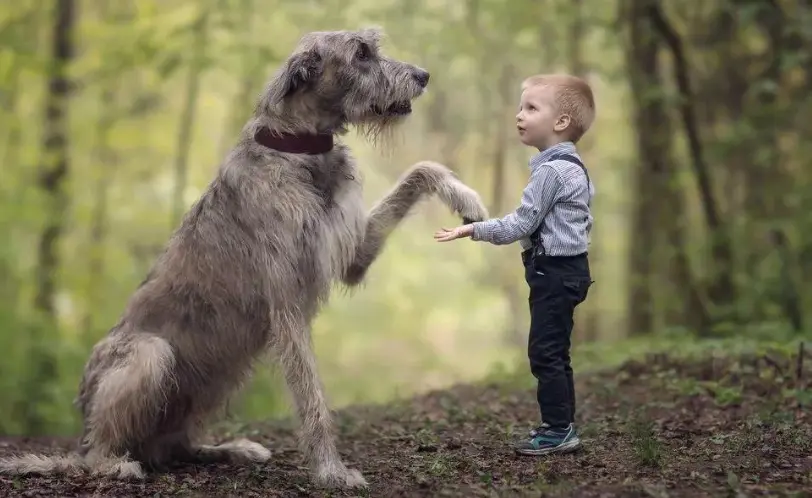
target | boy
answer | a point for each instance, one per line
(552, 223)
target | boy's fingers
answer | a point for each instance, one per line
(446, 234)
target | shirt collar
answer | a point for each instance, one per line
(546, 154)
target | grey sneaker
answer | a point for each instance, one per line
(546, 440)
(534, 432)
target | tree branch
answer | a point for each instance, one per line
(722, 290)
(688, 113)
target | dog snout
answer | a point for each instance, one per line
(421, 76)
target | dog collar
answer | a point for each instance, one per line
(308, 143)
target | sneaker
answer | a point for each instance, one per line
(535, 432)
(545, 440)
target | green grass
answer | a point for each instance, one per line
(647, 448)
(596, 356)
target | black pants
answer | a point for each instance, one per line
(557, 285)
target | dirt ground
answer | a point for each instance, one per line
(653, 428)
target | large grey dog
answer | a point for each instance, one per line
(249, 268)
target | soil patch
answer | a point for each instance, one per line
(655, 427)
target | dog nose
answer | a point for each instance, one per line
(422, 77)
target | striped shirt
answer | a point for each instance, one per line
(556, 198)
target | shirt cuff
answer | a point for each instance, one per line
(482, 231)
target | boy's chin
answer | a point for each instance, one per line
(526, 140)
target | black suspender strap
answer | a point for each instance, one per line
(573, 159)
(566, 157)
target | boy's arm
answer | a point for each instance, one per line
(537, 198)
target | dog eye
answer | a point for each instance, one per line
(364, 52)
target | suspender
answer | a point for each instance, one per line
(534, 237)
(573, 159)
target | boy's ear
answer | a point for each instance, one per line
(562, 123)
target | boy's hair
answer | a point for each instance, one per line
(574, 97)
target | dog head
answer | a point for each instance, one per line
(342, 76)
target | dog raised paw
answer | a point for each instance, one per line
(472, 208)
(438, 178)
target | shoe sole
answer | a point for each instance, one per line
(568, 447)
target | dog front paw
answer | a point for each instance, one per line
(340, 477)
(473, 209)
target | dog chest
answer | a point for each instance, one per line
(341, 228)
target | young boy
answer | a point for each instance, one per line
(552, 223)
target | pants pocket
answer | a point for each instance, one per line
(577, 288)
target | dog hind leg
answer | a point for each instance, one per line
(239, 450)
(180, 450)
(126, 406)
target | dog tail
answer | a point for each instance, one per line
(124, 407)
(42, 464)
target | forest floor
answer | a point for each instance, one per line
(660, 426)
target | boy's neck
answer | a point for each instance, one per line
(564, 147)
(554, 144)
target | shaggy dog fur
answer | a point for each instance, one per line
(248, 270)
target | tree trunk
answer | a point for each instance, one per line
(547, 49)
(790, 296)
(576, 33)
(9, 284)
(53, 174)
(10, 195)
(252, 77)
(10, 146)
(105, 160)
(586, 320)
(773, 208)
(641, 58)
(184, 143)
(660, 203)
(515, 335)
(722, 290)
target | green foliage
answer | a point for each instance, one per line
(647, 448)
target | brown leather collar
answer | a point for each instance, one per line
(320, 143)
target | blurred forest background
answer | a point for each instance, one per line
(115, 115)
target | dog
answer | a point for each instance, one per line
(249, 268)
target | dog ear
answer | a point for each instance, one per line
(300, 70)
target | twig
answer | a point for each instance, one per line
(799, 376)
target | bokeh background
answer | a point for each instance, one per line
(116, 113)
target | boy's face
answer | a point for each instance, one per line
(539, 123)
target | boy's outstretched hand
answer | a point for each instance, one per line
(444, 234)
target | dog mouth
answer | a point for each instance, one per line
(401, 108)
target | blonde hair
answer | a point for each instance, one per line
(573, 96)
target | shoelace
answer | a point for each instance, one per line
(535, 432)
